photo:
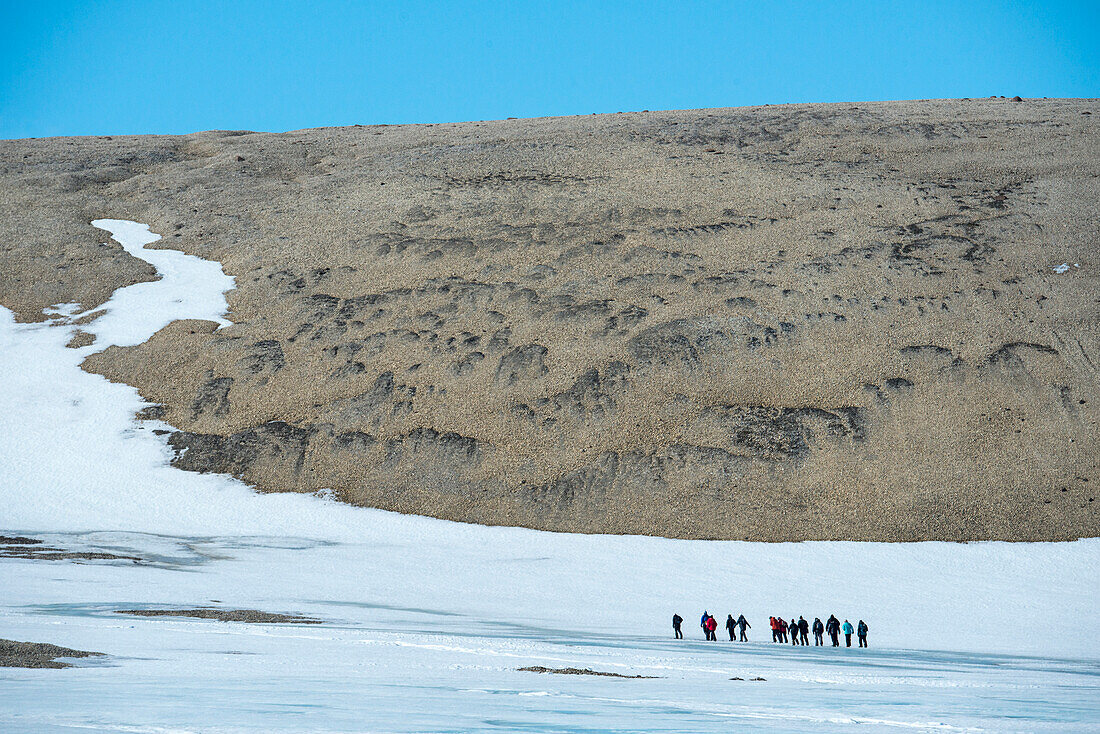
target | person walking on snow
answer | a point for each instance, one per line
(731, 625)
(742, 623)
(833, 628)
(794, 630)
(782, 629)
(712, 625)
(848, 632)
(803, 630)
(677, 620)
(775, 629)
(703, 624)
(819, 630)
(861, 632)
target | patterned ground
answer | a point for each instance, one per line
(776, 323)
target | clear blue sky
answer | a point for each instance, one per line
(178, 66)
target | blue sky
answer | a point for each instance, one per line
(74, 68)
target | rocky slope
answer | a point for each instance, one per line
(776, 323)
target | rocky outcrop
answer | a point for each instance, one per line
(279, 448)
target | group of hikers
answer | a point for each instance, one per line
(796, 631)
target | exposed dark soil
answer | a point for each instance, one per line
(15, 654)
(581, 671)
(47, 553)
(224, 615)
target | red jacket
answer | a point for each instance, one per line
(712, 624)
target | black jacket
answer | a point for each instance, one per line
(677, 620)
(818, 627)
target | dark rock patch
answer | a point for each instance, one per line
(592, 395)
(467, 364)
(685, 342)
(271, 443)
(152, 413)
(775, 433)
(213, 396)
(1014, 352)
(15, 654)
(582, 671)
(522, 363)
(47, 553)
(251, 616)
(264, 355)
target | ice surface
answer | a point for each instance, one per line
(427, 620)
(425, 635)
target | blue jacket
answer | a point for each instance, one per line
(847, 628)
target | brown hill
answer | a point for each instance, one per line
(777, 323)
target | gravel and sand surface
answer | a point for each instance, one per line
(15, 654)
(774, 323)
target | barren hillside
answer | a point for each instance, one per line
(771, 323)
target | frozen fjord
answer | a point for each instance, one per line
(426, 621)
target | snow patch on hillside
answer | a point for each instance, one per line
(188, 288)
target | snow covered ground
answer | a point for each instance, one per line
(425, 627)
(425, 622)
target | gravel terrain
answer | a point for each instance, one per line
(844, 321)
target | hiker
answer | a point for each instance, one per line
(712, 625)
(848, 632)
(861, 632)
(819, 631)
(833, 628)
(803, 630)
(742, 623)
(794, 630)
(677, 620)
(703, 624)
(782, 629)
(775, 629)
(731, 625)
